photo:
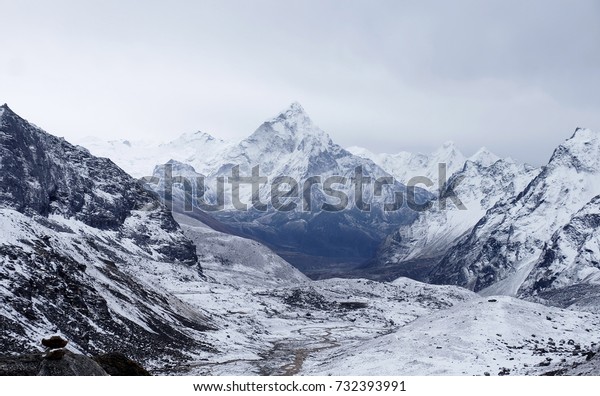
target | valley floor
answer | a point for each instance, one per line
(363, 327)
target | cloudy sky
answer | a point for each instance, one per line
(515, 76)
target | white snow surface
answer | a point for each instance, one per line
(471, 338)
(138, 158)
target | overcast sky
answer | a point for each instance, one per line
(515, 76)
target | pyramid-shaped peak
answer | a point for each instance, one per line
(294, 111)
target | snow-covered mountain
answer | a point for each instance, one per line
(72, 229)
(138, 158)
(414, 248)
(406, 165)
(290, 145)
(544, 235)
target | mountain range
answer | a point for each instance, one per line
(505, 256)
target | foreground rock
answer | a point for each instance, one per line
(117, 364)
(71, 364)
(61, 362)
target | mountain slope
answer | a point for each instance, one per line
(73, 228)
(504, 247)
(572, 256)
(500, 336)
(413, 249)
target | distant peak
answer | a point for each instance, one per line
(292, 125)
(484, 157)
(582, 131)
(447, 148)
(197, 136)
(579, 151)
(294, 118)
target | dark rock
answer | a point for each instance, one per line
(504, 371)
(54, 342)
(71, 365)
(352, 305)
(589, 355)
(55, 354)
(24, 365)
(117, 364)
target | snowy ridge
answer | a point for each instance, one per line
(483, 182)
(138, 158)
(506, 244)
(405, 165)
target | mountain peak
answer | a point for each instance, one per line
(293, 120)
(583, 134)
(295, 107)
(447, 149)
(5, 109)
(579, 151)
(484, 157)
(293, 129)
(294, 113)
(195, 136)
